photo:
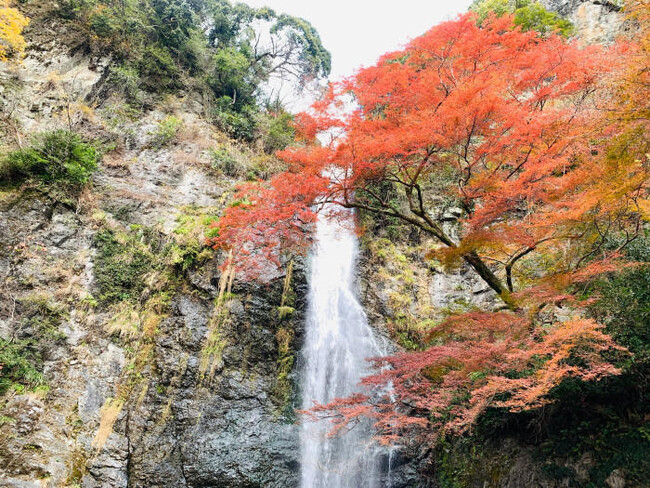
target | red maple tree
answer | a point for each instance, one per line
(510, 127)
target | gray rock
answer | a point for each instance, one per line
(616, 479)
(594, 20)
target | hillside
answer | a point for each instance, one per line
(134, 352)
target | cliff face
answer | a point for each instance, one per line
(594, 20)
(150, 375)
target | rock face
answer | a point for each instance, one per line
(224, 431)
(156, 391)
(594, 20)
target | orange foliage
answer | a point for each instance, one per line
(546, 145)
(12, 23)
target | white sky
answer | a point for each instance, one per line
(357, 32)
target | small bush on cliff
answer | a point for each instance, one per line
(277, 131)
(57, 156)
(529, 15)
(37, 334)
(166, 131)
(121, 266)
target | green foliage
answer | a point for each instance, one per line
(125, 79)
(102, 24)
(158, 70)
(625, 308)
(43, 318)
(623, 304)
(72, 9)
(121, 266)
(174, 22)
(224, 161)
(529, 14)
(20, 365)
(231, 78)
(277, 131)
(238, 123)
(21, 356)
(59, 156)
(187, 248)
(163, 45)
(166, 131)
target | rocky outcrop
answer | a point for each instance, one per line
(228, 430)
(594, 20)
(126, 397)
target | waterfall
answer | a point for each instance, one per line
(338, 341)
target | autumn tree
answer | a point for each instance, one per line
(12, 23)
(510, 127)
(498, 115)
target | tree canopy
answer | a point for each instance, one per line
(514, 129)
(228, 51)
(12, 23)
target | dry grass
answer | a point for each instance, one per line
(197, 134)
(116, 159)
(212, 350)
(142, 395)
(87, 201)
(107, 417)
(166, 411)
(125, 321)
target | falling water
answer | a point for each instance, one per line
(338, 340)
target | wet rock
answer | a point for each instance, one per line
(108, 469)
(616, 479)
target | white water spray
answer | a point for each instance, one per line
(338, 341)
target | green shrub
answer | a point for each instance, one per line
(278, 131)
(224, 161)
(44, 318)
(121, 265)
(158, 71)
(166, 131)
(21, 356)
(60, 156)
(72, 9)
(240, 124)
(102, 24)
(20, 365)
(126, 80)
(530, 15)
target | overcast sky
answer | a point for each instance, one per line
(357, 32)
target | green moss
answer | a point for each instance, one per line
(123, 261)
(285, 312)
(77, 469)
(283, 389)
